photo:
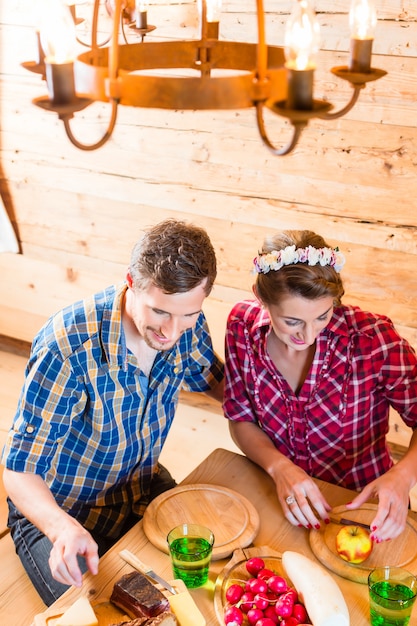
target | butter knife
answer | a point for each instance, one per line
(343, 521)
(141, 567)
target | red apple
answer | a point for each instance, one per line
(353, 544)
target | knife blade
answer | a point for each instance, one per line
(343, 521)
(139, 565)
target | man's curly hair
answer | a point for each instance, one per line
(175, 257)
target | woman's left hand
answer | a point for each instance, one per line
(392, 491)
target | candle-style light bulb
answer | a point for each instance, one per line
(302, 37)
(362, 19)
(142, 14)
(58, 36)
(58, 39)
(213, 14)
(301, 44)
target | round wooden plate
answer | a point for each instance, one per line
(401, 551)
(231, 517)
(236, 572)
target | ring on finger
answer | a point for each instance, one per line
(290, 500)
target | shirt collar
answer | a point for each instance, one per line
(111, 330)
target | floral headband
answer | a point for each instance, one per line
(274, 260)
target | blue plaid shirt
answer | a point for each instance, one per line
(89, 422)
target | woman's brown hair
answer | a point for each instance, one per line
(300, 279)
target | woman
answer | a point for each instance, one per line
(309, 385)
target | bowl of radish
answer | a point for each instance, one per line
(261, 588)
(254, 590)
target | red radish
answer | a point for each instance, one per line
(265, 573)
(261, 601)
(284, 605)
(246, 601)
(254, 565)
(289, 621)
(233, 615)
(257, 586)
(265, 621)
(300, 613)
(234, 593)
(277, 584)
(254, 615)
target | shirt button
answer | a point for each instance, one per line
(176, 370)
(30, 429)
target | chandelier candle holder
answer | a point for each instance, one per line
(209, 14)
(140, 25)
(202, 74)
(38, 64)
(58, 39)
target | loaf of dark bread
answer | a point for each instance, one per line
(163, 619)
(138, 597)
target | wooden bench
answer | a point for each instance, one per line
(14, 583)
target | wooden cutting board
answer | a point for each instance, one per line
(105, 611)
(236, 572)
(230, 516)
(401, 551)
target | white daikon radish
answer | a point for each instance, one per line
(317, 589)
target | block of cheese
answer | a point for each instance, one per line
(186, 610)
(80, 613)
(183, 606)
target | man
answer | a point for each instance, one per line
(100, 392)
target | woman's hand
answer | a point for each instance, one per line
(301, 500)
(392, 491)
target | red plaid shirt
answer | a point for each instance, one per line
(335, 428)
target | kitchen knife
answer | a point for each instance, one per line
(348, 522)
(139, 565)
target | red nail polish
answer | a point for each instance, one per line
(309, 526)
(327, 521)
(373, 527)
(317, 526)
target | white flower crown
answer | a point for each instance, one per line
(290, 255)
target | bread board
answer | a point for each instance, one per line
(230, 516)
(106, 612)
(235, 572)
(401, 551)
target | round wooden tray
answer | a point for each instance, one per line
(232, 518)
(401, 551)
(235, 572)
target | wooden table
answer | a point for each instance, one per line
(238, 473)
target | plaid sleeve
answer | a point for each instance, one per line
(240, 391)
(48, 399)
(398, 371)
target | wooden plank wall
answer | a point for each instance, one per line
(78, 213)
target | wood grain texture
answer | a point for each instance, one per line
(352, 180)
(401, 551)
(232, 518)
(229, 470)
